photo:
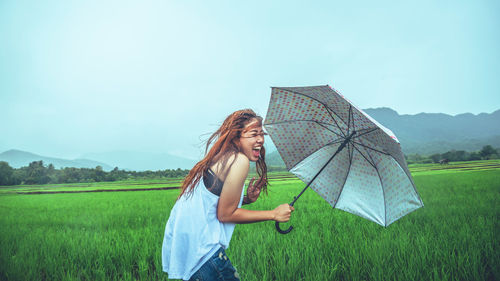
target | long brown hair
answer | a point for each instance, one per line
(224, 146)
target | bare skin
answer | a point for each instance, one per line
(227, 209)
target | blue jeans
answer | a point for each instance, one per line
(217, 268)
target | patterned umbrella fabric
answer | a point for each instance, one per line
(347, 157)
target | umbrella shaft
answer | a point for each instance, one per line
(344, 143)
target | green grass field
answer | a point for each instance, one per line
(118, 235)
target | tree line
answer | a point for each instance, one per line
(38, 173)
(486, 153)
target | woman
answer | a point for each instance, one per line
(203, 218)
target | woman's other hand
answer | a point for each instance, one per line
(253, 190)
(282, 213)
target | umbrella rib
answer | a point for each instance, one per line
(339, 149)
(365, 146)
(370, 130)
(349, 119)
(315, 121)
(323, 146)
(373, 164)
(335, 141)
(351, 152)
(409, 177)
(337, 124)
(383, 191)
(326, 106)
(330, 143)
(321, 124)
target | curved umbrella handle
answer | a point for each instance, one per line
(277, 224)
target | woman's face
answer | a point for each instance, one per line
(252, 140)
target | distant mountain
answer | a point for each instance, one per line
(18, 158)
(429, 133)
(423, 133)
(142, 161)
(127, 160)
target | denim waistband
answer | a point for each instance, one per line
(219, 252)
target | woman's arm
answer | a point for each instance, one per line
(227, 209)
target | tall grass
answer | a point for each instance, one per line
(118, 235)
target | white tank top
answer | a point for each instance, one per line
(193, 233)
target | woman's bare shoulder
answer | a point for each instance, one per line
(237, 162)
(241, 158)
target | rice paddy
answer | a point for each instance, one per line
(118, 235)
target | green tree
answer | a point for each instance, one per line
(6, 173)
(99, 174)
(435, 157)
(474, 156)
(70, 174)
(487, 151)
(37, 173)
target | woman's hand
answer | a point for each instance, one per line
(282, 213)
(253, 191)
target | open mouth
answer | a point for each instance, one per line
(256, 151)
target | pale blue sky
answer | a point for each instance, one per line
(93, 76)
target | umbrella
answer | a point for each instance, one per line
(343, 154)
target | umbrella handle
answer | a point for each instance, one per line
(277, 224)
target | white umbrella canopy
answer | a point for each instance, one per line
(347, 157)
